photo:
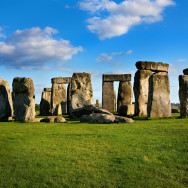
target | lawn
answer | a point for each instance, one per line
(146, 153)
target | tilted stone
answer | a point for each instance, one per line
(81, 91)
(58, 99)
(183, 95)
(141, 89)
(125, 94)
(23, 99)
(153, 66)
(61, 80)
(108, 96)
(159, 101)
(185, 71)
(45, 104)
(116, 77)
(6, 108)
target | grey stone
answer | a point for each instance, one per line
(183, 95)
(98, 118)
(58, 97)
(153, 66)
(141, 90)
(125, 94)
(6, 108)
(81, 92)
(126, 110)
(120, 119)
(68, 98)
(53, 120)
(185, 71)
(23, 99)
(61, 80)
(45, 104)
(108, 96)
(116, 77)
(159, 101)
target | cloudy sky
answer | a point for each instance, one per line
(42, 39)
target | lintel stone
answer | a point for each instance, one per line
(116, 77)
(48, 89)
(185, 71)
(153, 66)
(61, 80)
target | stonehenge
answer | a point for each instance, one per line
(183, 93)
(124, 93)
(23, 99)
(45, 104)
(6, 108)
(152, 90)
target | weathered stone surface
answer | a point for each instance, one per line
(116, 77)
(183, 95)
(68, 98)
(159, 101)
(185, 71)
(45, 104)
(23, 99)
(6, 108)
(53, 120)
(81, 92)
(86, 110)
(141, 90)
(61, 80)
(153, 66)
(98, 118)
(125, 94)
(101, 110)
(58, 97)
(108, 96)
(120, 119)
(126, 110)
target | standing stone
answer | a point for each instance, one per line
(125, 94)
(58, 98)
(45, 104)
(159, 101)
(141, 89)
(68, 98)
(6, 109)
(183, 95)
(81, 91)
(108, 96)
(97, 103)
(23, 99)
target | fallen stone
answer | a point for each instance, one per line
(126, 110)
(53, 120)
(120, 119)
(183, 95)
(6, 108)
(23, 99)
(153, 66)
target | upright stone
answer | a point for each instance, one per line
(125, 94)
(81, 92)
(108, 96)
(183, 95)
(159, 101)
(141, 89)
(58, 97)
(45, 104)
(6, 109)
(23, 99)
(68, 98)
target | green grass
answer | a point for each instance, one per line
(146, 153)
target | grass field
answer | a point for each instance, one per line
(146, 153)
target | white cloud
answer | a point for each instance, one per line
(34, 47)
(111, 19)
(110, 57)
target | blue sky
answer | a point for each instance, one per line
(42, 39)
